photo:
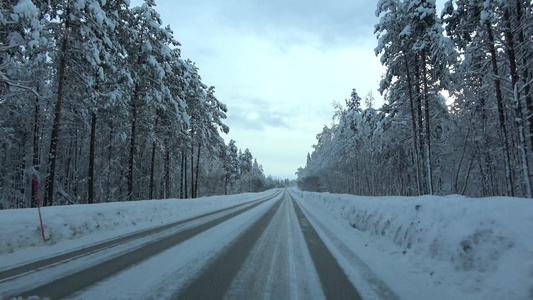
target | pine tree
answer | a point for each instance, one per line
(231, 166)
(370, 100)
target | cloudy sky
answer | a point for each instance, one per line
(278, 65)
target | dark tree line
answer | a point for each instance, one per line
(479, 144)
(97, 103)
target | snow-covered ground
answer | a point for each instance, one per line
(390, 247)
(430, 247)
(73, 226)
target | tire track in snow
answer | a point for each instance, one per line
(259, 264)
(335, 283)
(31, 267)
(374, 283)
(67, 285)
(215, 280)
(279, 266)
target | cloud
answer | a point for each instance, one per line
(322, 24)
(255, 114)
(331, 23)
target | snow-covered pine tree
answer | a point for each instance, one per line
(395, 45)
(22, 68)
(81, 36)
(370, 100)
(149, 49)
(231, 166)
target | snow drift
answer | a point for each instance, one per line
(20, 228)
(488, 242)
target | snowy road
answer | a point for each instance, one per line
(261, 249)
(272, 245)
(271, 260)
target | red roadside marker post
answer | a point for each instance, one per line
(38, 206)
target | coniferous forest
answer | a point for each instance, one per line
(478, 142)
(98, 105)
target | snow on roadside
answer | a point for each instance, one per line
(483, 246)
(74, 225)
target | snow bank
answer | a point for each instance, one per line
(20, 228)
(487, 241)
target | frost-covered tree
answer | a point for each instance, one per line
(149, 52)
(22, 68)
(474, 143)
(354, 103)
(370, 100)
(245, 161)
(416, 53)
(486, 78)
(394, 46)
(231, 166)
(99, 105)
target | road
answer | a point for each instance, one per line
(264, 249)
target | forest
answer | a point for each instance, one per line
(97, 105)
(475, 141)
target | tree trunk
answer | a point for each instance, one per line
(192, 169)
(35, 162)
(518, 104)
(467, 179)
(501, 113)
(185, 168)
(226, 179)
(152, 170)
(152, 164)
(132, 140)
(166, 193)
(413, 123)
(487, 171)
(22, 170)
(460, 163)
(428, 132)
(197, 170)
(75, 166)
(182, 196)
(92, 143)
(420, 127)
(109, 159)
(525, 70)
(49, 199)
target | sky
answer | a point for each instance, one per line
(278, 66)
